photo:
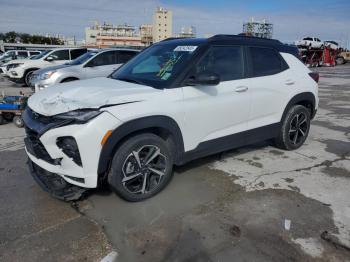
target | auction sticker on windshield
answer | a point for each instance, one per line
(185, 48)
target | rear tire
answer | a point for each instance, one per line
(17, 120)
(2, 121)
(340, 60)
(295, 128)
(141, 167)
(8, 116)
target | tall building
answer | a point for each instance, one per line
(162, 24)
(106, 35)
(258, 28)
(146, 33)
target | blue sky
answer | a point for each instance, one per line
(326, 19)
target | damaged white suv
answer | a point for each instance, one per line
(176, 101)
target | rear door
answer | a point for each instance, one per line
(270, 80)
(75, 53)
(213, 112)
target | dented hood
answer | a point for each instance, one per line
(90, 93)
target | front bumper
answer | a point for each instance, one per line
(54, 184)
(43, 151)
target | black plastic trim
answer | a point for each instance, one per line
(302, 97)
(232, 141)
(127, 128)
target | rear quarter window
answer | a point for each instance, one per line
(265, 61)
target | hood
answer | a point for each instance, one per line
(18, 61)
(90, 93)
(51, 68)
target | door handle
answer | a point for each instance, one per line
(290, 82)
(241, 89)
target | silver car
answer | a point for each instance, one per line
(100, 63)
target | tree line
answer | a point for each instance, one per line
(14, 37)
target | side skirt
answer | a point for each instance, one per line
(232, 141)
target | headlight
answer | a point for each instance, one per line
(79, 116)
(46, 75)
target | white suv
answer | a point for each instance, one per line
(20, 70)
(99, 63)
(176, 101)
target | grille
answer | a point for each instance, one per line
(35, 147)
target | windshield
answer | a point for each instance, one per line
(156, 66)
(40, 55)
(82, 59)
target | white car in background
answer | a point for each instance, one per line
(100, 63)
(15, 54)
(20, 71)
(310, 42)
(331, 44)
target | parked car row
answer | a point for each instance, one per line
(65, 64)
(92, 64)
(17, 54)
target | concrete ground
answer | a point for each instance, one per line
(257, 203)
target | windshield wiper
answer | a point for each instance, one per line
(131, 81)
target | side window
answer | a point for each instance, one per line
(265, 61)
(60, 55)
(226, 61)
(75, 53)
(22, 54)
(34, 53)
(124, 56)
(106, 58)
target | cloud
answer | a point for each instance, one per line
(292, 20)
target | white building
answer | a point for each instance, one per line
(162, 24)
(108, 34)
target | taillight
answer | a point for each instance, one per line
(315, 76)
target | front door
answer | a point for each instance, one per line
(213, 112)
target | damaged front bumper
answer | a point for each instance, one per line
(67, 154)
(54, 184)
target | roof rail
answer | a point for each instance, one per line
(172, 38)
(240, 36)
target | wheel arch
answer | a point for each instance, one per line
(306, 99)
(163, 126)
(73, 78)
(30, 69)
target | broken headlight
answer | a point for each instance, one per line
(79, 116)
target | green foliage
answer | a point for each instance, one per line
(14, 37)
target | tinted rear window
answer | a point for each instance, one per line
(75, 53)
(265, 61)
(125, 56)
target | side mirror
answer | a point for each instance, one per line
(204, 79)
(49, 58)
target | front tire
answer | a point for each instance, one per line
(27, 77)
(295, 128)
(141, 167)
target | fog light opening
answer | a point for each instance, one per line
(69, 146)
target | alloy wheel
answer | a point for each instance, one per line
(298, 128)
(143, 170)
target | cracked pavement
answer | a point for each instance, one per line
(231, 206)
